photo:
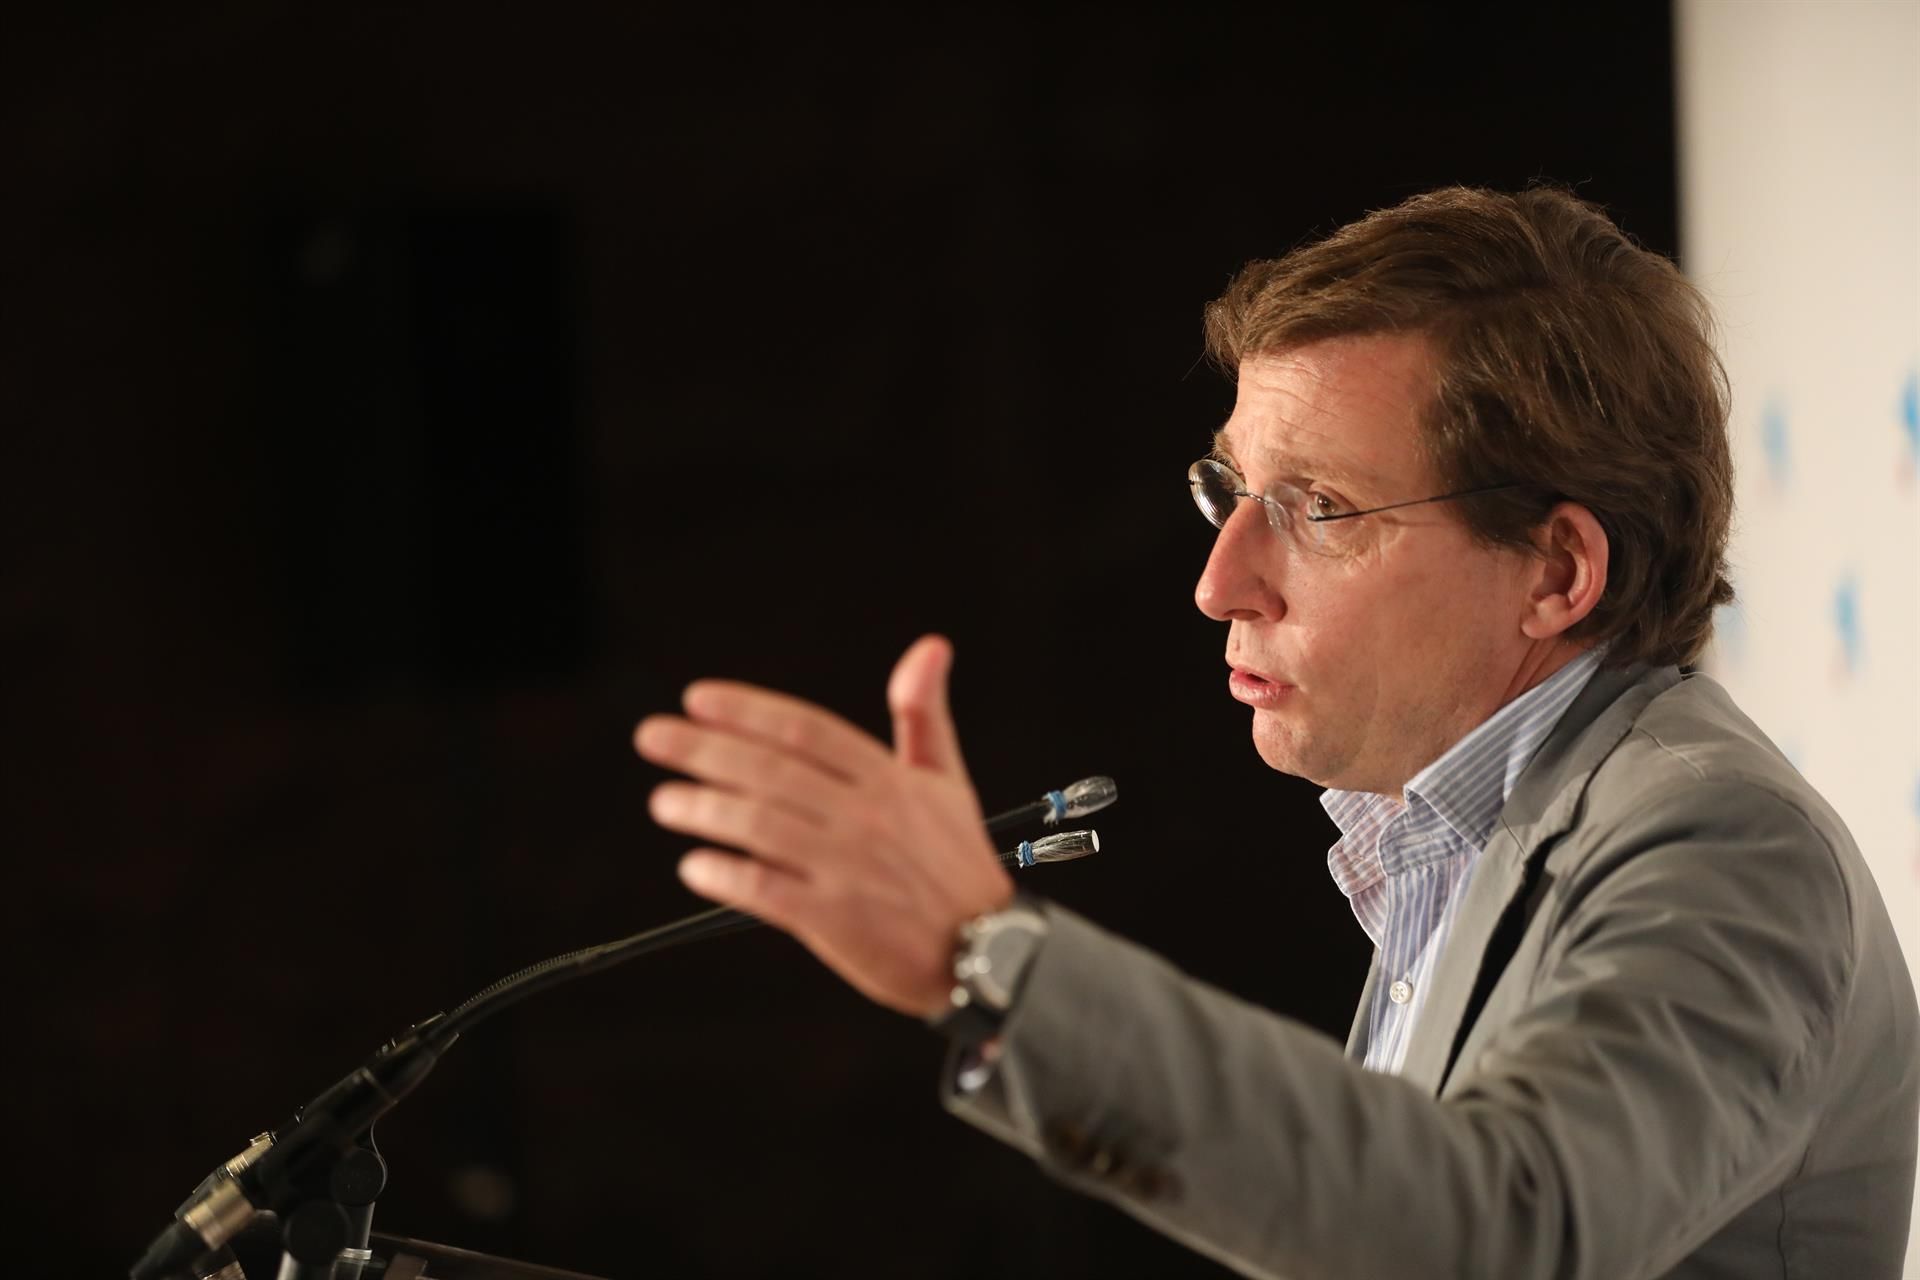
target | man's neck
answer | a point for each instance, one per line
(1538, 664)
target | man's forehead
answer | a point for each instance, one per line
(1344, 408)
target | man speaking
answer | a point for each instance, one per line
(1636, 1007)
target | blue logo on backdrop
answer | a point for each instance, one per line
(1910, 413)
(1846, 620)
(1773, 440)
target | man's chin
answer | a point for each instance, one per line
(1283, 749)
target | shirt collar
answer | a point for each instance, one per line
(1467, 786)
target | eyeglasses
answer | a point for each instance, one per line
(1312, 521)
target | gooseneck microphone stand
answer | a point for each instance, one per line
(321, 1171)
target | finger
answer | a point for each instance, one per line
(740, 764)
(773, 895)
(789, 723)
(923, 731)
(765, 830)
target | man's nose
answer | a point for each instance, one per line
(1239, 582)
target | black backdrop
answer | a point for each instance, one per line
(399, 402)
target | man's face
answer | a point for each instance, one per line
(1364, 666)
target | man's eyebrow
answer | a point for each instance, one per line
(1289, 466)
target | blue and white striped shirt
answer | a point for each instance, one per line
(1404, 862)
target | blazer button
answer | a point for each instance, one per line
(1069, 1141)
(1152, 1183)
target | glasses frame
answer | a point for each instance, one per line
(1281, 519)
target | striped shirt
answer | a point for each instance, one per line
(1404, 861)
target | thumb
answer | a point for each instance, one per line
(923, 732)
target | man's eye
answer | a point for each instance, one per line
(1321, 505)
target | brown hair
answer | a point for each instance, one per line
(1571, 362)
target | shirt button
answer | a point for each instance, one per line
(1400, 992)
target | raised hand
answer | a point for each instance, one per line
(871, 857)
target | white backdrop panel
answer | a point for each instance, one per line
(1800, 204)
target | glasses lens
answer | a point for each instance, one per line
(1215, 490)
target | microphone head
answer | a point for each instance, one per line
(1064, 847)
(1086, 796)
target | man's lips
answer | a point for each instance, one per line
(1256, 688)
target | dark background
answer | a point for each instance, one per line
(400, 402)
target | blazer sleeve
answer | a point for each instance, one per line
(1665, 1069)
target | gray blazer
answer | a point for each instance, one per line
(1671, 1034)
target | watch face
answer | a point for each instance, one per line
(1006, 948)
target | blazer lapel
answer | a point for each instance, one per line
(1540, 809)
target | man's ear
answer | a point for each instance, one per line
(1569, 571)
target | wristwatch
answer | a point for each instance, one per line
(991, 957)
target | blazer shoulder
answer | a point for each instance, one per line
(1691, 747)
(1694, 788)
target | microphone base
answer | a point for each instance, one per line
(445, 1262)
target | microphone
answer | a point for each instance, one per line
(1064, 847)
(283, 1167)
(1061, 847)
(1075, 800)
